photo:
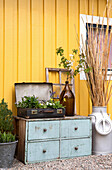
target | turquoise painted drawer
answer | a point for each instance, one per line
(42, 151)
(48, 139)
(75, 147)
(75, 128)
(43, 130)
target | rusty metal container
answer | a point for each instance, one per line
(41, 90)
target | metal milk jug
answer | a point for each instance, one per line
(101, 131)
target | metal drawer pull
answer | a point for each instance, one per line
(44, 151)
(44, 130)
(76, 148)
(76, 128)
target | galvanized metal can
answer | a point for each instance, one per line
(7, 151)
(101, 131)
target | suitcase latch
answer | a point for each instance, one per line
(59, 111)
(33, 112)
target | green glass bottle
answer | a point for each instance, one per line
(67, 99)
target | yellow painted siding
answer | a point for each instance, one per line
(37, 42)
(30, 32)
(1, 49)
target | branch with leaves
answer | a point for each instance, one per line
(68, 64)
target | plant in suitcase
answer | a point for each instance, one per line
(31, 107)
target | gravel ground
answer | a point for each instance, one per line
(79, 163)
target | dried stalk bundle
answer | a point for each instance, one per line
(97, 52)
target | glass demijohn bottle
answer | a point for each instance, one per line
(67, 99)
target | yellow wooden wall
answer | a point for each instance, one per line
(30, 32)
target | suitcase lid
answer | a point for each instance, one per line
(41, 90)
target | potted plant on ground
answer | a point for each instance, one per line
(7, 138)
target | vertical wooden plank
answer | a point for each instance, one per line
(20, 131)
(93, 7)
(73, 24)
(14, 61)
(49, 34)
(101, 7)
(14, 29)
(1, 49)
(24, 41)
(84, 96)
(73, 27)
(61, 37)
(110, 14)
(37, 40)
(61, 27)
(84, 7)
(84, 103)
(8, 58)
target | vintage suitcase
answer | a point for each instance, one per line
(41, 90)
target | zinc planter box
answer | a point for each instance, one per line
(7, 152)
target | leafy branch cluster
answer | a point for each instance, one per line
(33, 102)
(68, 64)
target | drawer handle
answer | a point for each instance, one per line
(44, 130)
(76, 148)
(76, 128)
(44, 151)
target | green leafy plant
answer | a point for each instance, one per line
(42, 105)
(6, 118)
(6, 137)
(33, 102)
(68, 64)
(28, 102)
(54, 104)
(6, 123)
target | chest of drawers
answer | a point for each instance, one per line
(49, 139)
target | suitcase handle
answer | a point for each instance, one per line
(46, 111)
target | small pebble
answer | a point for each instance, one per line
(92, 162)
